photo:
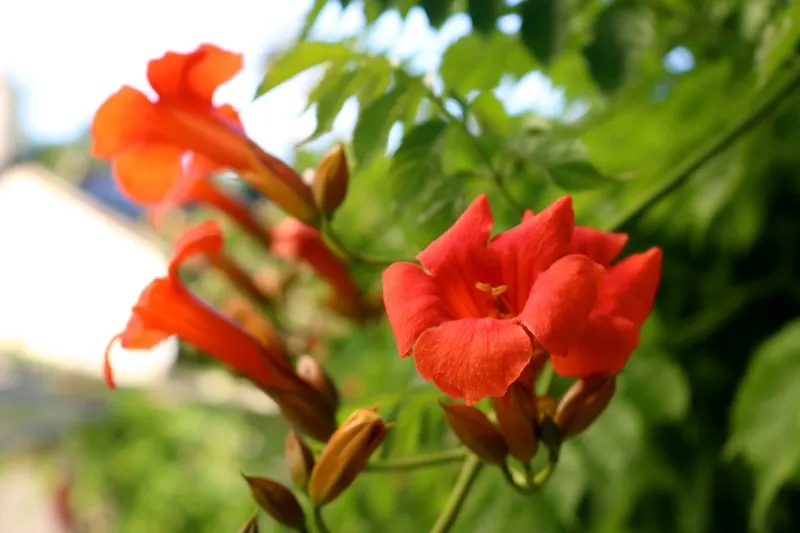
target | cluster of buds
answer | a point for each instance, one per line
(523, 420)
(321, 480)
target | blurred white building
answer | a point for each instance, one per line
(69, 273)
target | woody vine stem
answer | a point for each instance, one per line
(679, 176)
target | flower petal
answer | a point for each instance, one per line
(561, 301)
(600, 246)
(459, 259)
(413, 304)
(604, 347)
(136, 336)
(532, 246)
(123, 121)
(146, 174)
(192, 77)
(205, 238)
(473, 358)
(629, 290)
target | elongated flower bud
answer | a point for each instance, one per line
(312, 373)
(516, 418)
(307, 410)
(277, 501)
(476, 432)
(299, 459)
(330, 180)
(251, 526)
(583, 403)
(346, 455)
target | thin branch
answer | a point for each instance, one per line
(420, 461)
(469, 472)
(712, 149)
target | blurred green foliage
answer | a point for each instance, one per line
(703, 434)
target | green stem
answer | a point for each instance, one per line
(352, 256)
(420, 461)
(712, 149)
(319, 523)
(546, 379)
(469, 472)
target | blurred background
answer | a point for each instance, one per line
(612, 101)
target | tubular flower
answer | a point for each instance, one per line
(195, 186)
(477, 311)
(624, 301)
(148, 141)
(166, 307)
(296, 241)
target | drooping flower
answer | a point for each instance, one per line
(167, 307)
(624, 301)
(478, 309)
(293, 240)
(195, 186)
(148, 141)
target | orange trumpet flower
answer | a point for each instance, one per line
(148, 140)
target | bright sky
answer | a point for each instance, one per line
(65, 58)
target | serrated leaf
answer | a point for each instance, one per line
(765, 426)
(542, 28)
(779, 41)
(621, 32)
(375, 121)
(483, 14)
(301, 57)
(490, 113)
(436, 11)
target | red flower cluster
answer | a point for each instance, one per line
(479, 309)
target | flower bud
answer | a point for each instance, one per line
(583, 403)
(251, 526)
(277, 501)
(330, 180)
(299, 459)
(312, 373)
(306, 409)
(476, 432)
(345, 455)
(545, 407)
(516, 418)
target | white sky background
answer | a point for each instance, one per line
(65, 58)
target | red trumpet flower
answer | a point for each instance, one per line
(477, 310)
(148, 141)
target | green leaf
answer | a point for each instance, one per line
(375, 121)
(311, 18)
(765, 427)
(490, 113)
(498, 55)
(483, 14)
(331, 94)
(779, 42)
(413, 156)
(621, 32)
(657, 386)
(542, 28)
(436, 10)
(576, 175)
(301, 57)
